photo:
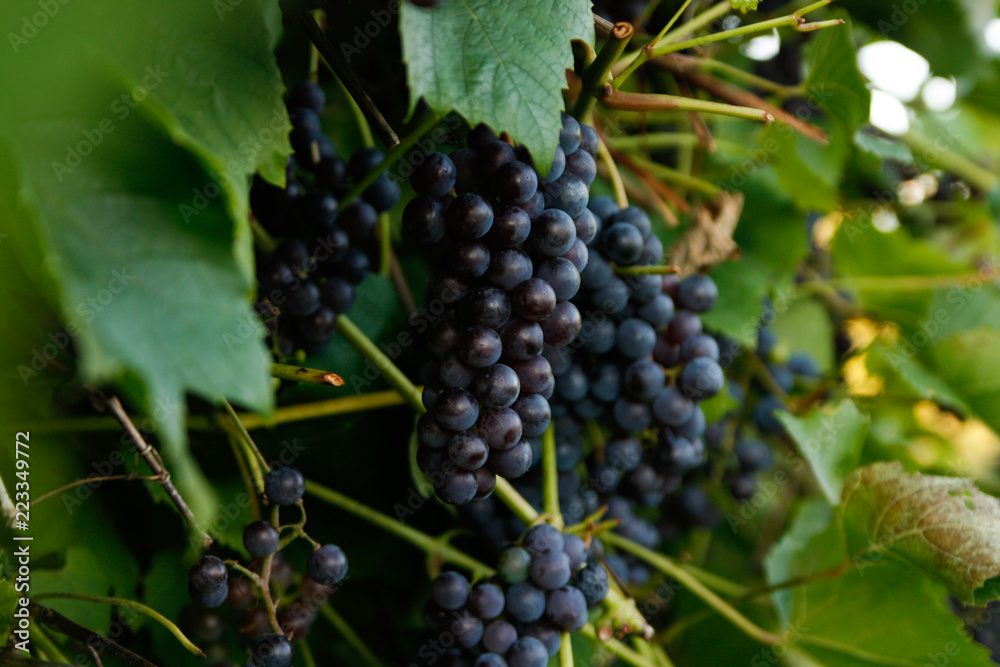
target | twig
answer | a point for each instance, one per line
(343, 71)
(91, 480)
(687, 68)
(153, 461)
(62, 625)
(402, 287)
(303, 374)
(616, 99)
(599, 71)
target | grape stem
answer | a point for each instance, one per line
(616, 648)
(509, 496)
(48, 649)
(127, 604)
(347, 77)
(303, 374)
(370, 351)
(566, 651)
(550, 501)
(258, 464)
(155, 464)
(689, 581)
(666, 44)
(415, 537)
(621, 198)
(264, 586)
(598, 72)
(91, 480)
(659, 270)
(645, 102)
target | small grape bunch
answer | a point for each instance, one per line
(509, 245)
(543, 588)
(323, 253)
(326, 567)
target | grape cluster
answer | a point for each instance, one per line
(210, 586)
(311, 275)
(510, 246)
(543, 588)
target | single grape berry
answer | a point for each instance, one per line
(273, 650)
(697, 293)
(435, 176)
(327, 565)
(260, 539)
(450, 590)
(284, 486)
(207, 574)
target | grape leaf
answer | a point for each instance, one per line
(744, 5)
(499, 63)
(835, 83)
(8, 605)
(897, 361)
(944, 526)
(831, 439)
(130, 169)
(811, 519)
(88, 572)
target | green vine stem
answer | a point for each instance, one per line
(660, 47)
(655, 140)
(670, 23)
(662, 269)
(979, 176)
(415, 537)
(550, 499)
(509, 496)
(678, 177)
(303, 374)
(599, 72)
(566, 651)
(615, 176)
(129, 604)
(689, 581)
(370, 351)
(616, 99)
(616, 648)
(262, 581)
(258, 464)
(338, 622)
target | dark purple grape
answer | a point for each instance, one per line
(701, 379)
(453, 372)
(623, 243)
(534, 299)
(450, 591)
(511, 226)
(486, 482)
(637, 217)
(563, 326)
(260, 539)
(551, 570)
(552, 233)
(593, 582)
(526, 604)
(284, 486)
(318, 209)
(699, 345)
(359, 220)
(382, 194)
(527, 652)
(498, 637)
(582, 165)
(534, 412)
(273, 650)
(556, 168)
(491, 156)
(487, 307)
(500, 427)
(442, 337)
(496, 386)
(509, 268)
(468, 450)
(515, 183)
(588, 139)
(469, 217)
(697, 293)
(561, 275)
(684, 323)
(306, 94)
(456, 409)
(435, 176)
(479, 347)
(430, 433)
(586, 226)
(578, 254)
(208, 574)
(636, 338)
(302, 301)
(570, 135)
(327, 565)
(337, 295)
(511, 463)
(566, 608)
(486, 601)
(468, 260)
(522, 339)
(534, 374)
(567, 193)
(644, 379)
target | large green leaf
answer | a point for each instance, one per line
(499, 63)
(943, 526)
(128, 175)
(831, 439)
(810, 520)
